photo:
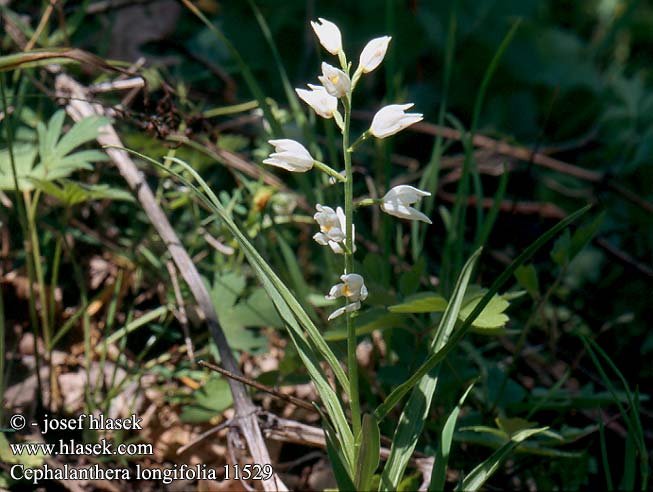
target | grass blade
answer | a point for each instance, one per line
(635, 431)
(286, 304)
(439, 474)
(368, 454)
(604, 456)
(433, 360)
(412, 418)
(479, 475)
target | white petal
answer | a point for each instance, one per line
(373, 53)
(349, 308)
(392, 119)
(328, 34)
(321, 239)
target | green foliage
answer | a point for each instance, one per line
(238, 312)
(210, 400)
(55, 157)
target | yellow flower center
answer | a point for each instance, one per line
(334, 79)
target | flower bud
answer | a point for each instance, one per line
(373, 54)
(290, 155)
(392, 119)
(329, 35)
(398, 202)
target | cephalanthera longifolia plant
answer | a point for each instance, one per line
(353, 443)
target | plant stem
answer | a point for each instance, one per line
(352, 363)
(329, 170)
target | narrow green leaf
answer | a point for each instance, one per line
(338, 465)
(288, 307)
(411, 422)
(439, 473)
(368, 454)
(434, 359)
(604, 456)
(480, 474)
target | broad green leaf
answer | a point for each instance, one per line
(30, 461)
(492, 315)
(71, 193)
(439, 473)
(421, 303)
(368, 453)
(412, 418)
(54, 158)
(237, 313)
(484, 470)
(24, 156)
(210, 400)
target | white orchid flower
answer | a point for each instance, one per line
(332, 228)
(353, 289)
(335, 81)
(398, 202)
(392, 119)
(329, 35)
(290, 155)
(373, 54)
(323, 103)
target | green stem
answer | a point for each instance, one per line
(359, 140)
(22, 219)
(366, 202)
(329, 170)
(352, 363)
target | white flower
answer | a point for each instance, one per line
(398, 202)
(290, 155)
(353, 289)
(392, 119)
(347, 308)
(332, 228)
(323, 103)
(329, 35)
(373, 54)
(283, 203)
(335, 81)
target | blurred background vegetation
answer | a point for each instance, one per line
(575, 83)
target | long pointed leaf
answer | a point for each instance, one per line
(439, 473)
(433, 360)
(368, 454)
(479, 475)
(288, 307)
(412, 418)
